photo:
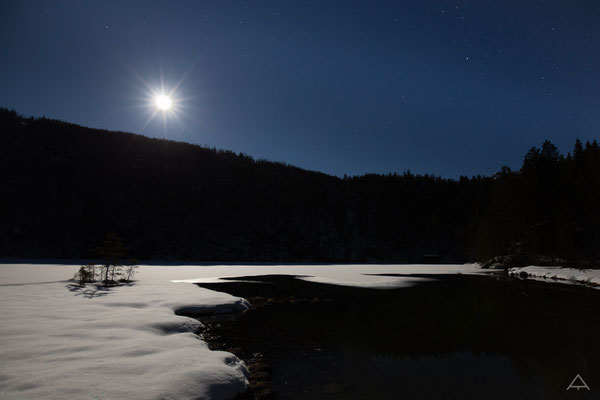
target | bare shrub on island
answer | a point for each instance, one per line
(130, 270)
(85, 274)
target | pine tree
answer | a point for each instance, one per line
(578, 150)
(112, 252)
(549, 151)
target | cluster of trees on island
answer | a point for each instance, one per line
(65, 187)
(112, 270)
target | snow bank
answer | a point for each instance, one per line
(566, 275)
(60, 341)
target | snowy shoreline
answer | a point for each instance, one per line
(588, 277)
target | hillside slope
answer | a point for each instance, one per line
(66, 187)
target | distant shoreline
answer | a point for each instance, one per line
(195, 263)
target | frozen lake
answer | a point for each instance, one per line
(381, 331)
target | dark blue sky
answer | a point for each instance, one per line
(445, 87)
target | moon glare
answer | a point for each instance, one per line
(163, 102)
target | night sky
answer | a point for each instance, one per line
(445, 87)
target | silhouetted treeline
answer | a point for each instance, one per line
(547, 212)
(65, 187)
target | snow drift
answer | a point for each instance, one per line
(61, 341)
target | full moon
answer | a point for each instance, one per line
(163, 102)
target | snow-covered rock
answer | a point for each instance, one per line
(564, 275)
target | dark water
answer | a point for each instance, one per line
(458, 337)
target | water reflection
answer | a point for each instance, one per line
(456, 337)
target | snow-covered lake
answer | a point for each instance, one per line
(134, 342)
(128, 342)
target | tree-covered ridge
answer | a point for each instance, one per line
(547, 212)
(66, 187)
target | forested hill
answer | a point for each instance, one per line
(65, 187)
